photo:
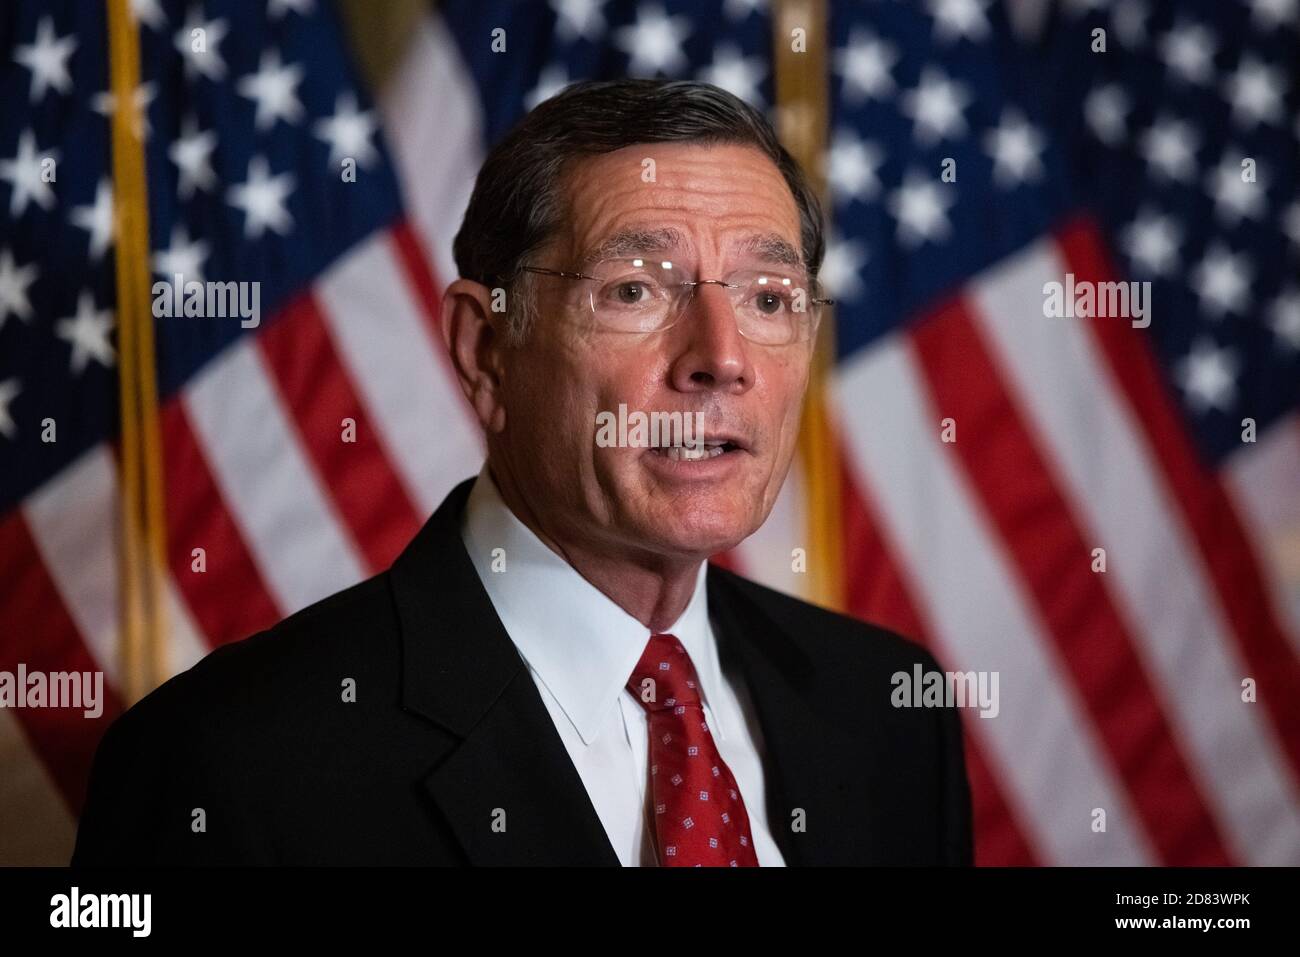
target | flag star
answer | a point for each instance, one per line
(9, 390)
(97, 220)
(1080, 8)
(47, 58)
(1222, 281)
(14, 280)
(1234, 198)
(1015, 146)
(149, 13)
(348, 131)
(1254, 91)
(737, 74)
(866, 64)
(579, 18)
(1130, 23)
(741, 9)
(654, 43)
(1188, 52)
(274, 88)
(87, 333)
(853, 166)
(262, 198)
(935, 107)
(1208, 376)
(1169, 147)
(550, 81)
(206, 60)
(278, 8)
(25, 174)
(182, 256)
(1271, 14)
(954, 19)
(921, 207)
(190, 152)
(1152, 242)
(1284, 316)
(841, 268)
(1291, 223)
(1104, 110)
(106, 103)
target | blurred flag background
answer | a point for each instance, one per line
(1106, 514)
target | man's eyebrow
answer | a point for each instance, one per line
(770, 247)
(629, 242)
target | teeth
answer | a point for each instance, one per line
(679, 454)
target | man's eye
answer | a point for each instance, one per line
(631, 292)
(769, 303)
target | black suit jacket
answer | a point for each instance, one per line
(447, 727)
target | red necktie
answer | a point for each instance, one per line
(700, 818)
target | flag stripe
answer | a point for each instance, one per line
(1113, 487)
(1262, 480)
(1049, 553)
(198, 518)
(392, 359)
(1221, 543)
(266, 480)
(357, 472)
(39, 632)
(1054, 768)
(437, 140)
(768, 555)
(878, 593)
(74, 521)
(37, 828)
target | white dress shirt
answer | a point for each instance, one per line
(580, 648)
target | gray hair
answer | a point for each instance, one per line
(517, 206)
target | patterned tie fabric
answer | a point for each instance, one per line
(700, 818)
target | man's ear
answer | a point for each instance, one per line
(475, 338)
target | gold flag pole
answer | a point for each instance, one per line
(142, 564)
(799, 42)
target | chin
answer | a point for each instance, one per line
(699, 532)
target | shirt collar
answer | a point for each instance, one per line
(580, 643)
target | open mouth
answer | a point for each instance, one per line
(695, 453)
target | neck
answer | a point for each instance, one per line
(654, 590)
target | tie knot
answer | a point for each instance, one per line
(664, 677)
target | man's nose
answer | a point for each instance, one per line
(713, 355)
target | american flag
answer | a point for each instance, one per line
(995, 460)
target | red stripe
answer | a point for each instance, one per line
(197, 517)
(416, 264)
(360, 477)
(879, 593)
(39, 632)
(1017, 485)
(1228, 555)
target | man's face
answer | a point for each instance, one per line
(727, 207)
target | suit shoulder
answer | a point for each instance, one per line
(345, 633)
(819, 628)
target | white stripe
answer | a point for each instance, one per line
(1265, 483)
(36, 828)
(74, 521)
(433, 120)
(767, 555)
(1158, 585)
(388, 350)
(273, 494)
(1051, 766)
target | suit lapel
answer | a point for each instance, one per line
(507, 789)
(814, 770)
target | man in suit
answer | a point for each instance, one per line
(551, 673)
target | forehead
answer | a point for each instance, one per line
(712, 201)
